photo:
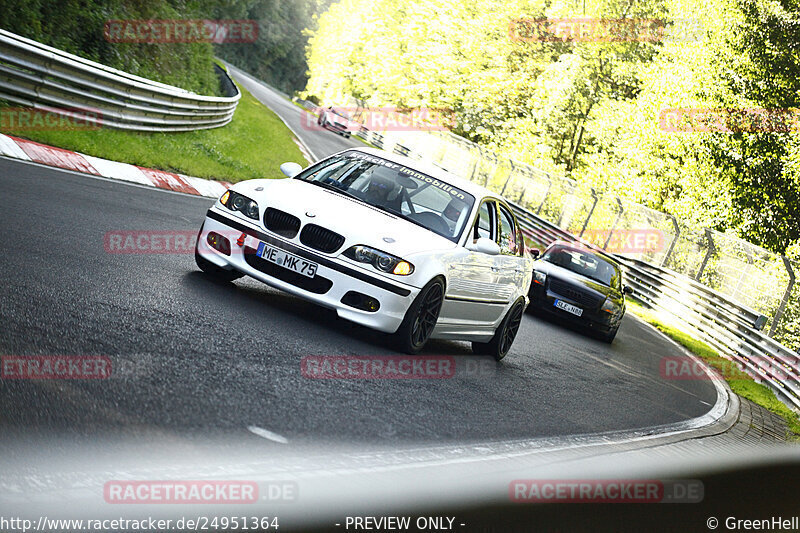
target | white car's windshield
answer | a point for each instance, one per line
(400, 190)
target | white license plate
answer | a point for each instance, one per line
(577, 311)
(286, 260)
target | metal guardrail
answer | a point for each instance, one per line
(729, 327)
(42, 77)
(741, 270)
(734, 330)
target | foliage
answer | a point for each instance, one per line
(595, 111)
(759, 67)
(592, 109)
(278, 55)
(76, 26)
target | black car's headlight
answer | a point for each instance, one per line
(380, 260)
(238, 202)
(539, 277)
(609, 306)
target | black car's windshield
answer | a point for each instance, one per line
(399, 190)
(585, 263)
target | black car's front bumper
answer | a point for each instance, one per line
(544, 299)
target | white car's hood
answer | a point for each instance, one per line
(356, 221)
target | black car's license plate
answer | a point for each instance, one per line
(569, 308)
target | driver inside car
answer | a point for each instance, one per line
(381, 191)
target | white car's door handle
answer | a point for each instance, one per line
(495, 269)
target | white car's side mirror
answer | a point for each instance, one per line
(484, 246)
(291, 169)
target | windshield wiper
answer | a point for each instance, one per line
(334, 188)
(390, 211)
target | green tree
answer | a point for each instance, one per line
(278, 54)
(759, 67)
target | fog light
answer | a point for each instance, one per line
(219, 243)
(361, 301)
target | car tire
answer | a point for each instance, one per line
(214, 271)
(421, 317)
(506, 332)
(535, 310)
(609, 337)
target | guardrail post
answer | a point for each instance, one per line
(595, 198)
(546, 194)
(782, 307)
(674, 240)
(743, 275)
(711, 250)
(476, 164)
(493, 158)
(510, 175)
(620, 210)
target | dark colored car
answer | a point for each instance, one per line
(579, 285)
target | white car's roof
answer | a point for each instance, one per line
(431, 170)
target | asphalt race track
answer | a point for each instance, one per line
(320, 141)
(193, 358)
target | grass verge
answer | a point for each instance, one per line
(253, 145)
(741, 384)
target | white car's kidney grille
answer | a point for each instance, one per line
(321, 239)
(281, 222)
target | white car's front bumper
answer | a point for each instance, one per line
(394, 298)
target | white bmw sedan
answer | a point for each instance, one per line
(388, 242)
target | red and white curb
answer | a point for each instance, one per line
(58, 157)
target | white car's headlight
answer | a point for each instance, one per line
(238, 202)
(380, 260)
